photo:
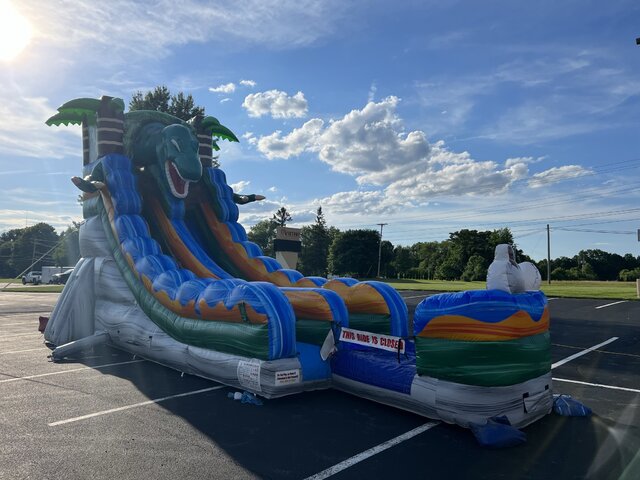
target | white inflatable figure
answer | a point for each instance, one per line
(531, 276)
(504, 273)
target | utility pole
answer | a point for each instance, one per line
(380, 246)
(33, 256)
(548, 256)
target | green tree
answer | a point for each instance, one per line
(281, 217)
(629, 275)
(262, 234)
(605, 265)
(316, 240)
(431, 255)
(387, 267)
(466, 243)
(28, 245)
(403, 260)
(475, 270)
(500, 236)
(449, 269)
(68, 252)
(161, 99)
(355, 252)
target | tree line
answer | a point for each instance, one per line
(465, 255)
(39, 243)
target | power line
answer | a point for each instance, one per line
(588, 230)
(529, 222)
(587, 193)
(593, 193)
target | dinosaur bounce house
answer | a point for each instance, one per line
(167, 273)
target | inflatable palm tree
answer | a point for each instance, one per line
(209, 131)
(97, 117)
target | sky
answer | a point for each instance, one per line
(427, 116)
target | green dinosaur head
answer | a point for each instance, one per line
(178, 162)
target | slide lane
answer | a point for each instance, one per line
(310, 305)
(373, 306)
(228, 315)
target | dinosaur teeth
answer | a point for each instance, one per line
(178, 185)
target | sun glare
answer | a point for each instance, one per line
(15, 31)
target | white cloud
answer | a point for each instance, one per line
(24, 133)
(272, 189)
(558, 174)
(367, 143)
(225, 100)
(248, 83)
(372, 92)
(152, 28)
(250, 138)
(371, 145)
(224, 88)
(276, 103)
(515, 160)
(300, 139)
(356, 202)
(454, 174)
(240, 186)
(58, 217)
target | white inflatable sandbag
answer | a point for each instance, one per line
(531, 276)
(504, 273)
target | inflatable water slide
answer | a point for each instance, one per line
(167, 273)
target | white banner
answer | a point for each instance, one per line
(375, 340)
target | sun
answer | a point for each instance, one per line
(15, 31)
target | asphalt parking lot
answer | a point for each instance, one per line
(109, 415)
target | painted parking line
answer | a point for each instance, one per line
(350, 462)
(609, 352)
(395, 441)
(419, 296)
(611, 387)
(97, 367)
(583, 352)
(17, 323)
(135, 405)
(611, 304)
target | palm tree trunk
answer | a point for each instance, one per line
(85, 141)
(204, 141)
(110, 129)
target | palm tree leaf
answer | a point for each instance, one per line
(75, 111)
(91, 104)
(73, 117)
(213, 127)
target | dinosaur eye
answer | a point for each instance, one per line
(175, 144)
